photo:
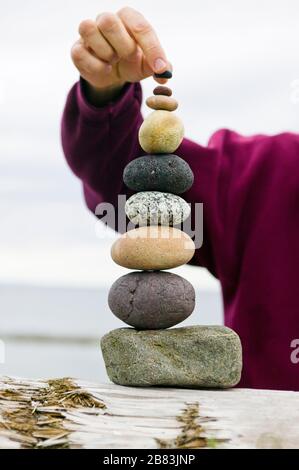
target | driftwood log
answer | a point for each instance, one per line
(68, 413)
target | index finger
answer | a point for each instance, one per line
(146, 37)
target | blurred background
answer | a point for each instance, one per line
(236, 65)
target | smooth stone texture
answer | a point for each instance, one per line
(165, 173)
(161, 132)
(162, 102)
(153, 248)
(152, 300)
(156, 208)
(162, 90)
(167, 74)
(194, 357)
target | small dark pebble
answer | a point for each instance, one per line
(166, 74)
(162, 90)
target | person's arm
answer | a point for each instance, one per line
(100, 97)
(98, 142)
(100, 133)
(238, 179)
(102, 115)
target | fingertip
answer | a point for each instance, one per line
(164, 74)
(86, 27)
(76, 51)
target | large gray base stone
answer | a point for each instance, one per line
(193, 357)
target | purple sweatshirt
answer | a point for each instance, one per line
(249, 187)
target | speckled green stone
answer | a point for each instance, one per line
(157, 208)
(192, 357)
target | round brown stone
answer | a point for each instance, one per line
(153, 248)
(162, 102)
(163, 90)
(152, 300)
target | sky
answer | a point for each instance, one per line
(236, 65)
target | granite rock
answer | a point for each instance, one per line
(165, 173)
(152, 300)
(193, 357)
(156, 208)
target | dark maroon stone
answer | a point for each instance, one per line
(162, 90)
(152, 300)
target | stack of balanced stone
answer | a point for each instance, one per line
(149, 299)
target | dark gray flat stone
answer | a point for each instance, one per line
(165, 173)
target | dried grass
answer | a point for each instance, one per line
(190, 436)
(33, 416)
(62, 414)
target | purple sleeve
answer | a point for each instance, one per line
(99, 142)
(249, 187)
(232, 173)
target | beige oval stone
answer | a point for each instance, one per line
(161, 132)
(162, 102)
(153, 248)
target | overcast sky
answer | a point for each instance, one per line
(235, 65)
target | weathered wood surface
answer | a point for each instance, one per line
(75, 414)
